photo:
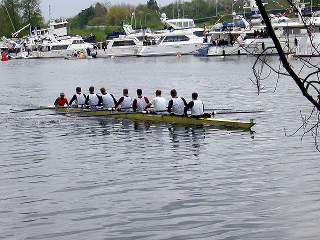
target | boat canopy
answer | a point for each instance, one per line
(180, 23)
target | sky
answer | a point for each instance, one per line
(70, 8)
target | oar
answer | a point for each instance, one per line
(35, 109)
(237, 111)
(219, 109)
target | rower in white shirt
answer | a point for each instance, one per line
(159, 103)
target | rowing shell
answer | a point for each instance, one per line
(155, 117)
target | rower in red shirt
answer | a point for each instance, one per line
(61, 101)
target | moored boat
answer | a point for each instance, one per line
(149, 116)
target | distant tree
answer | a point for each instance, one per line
(97, 21)
(100, 10)
(12, 8)
(6, 27)
(31, 12)
(201, 8)
(117, 14)
(85, 16)
(152, 4)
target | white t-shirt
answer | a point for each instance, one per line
(159, 103)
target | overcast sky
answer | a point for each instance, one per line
(70, 8)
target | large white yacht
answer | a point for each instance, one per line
(180, 36)
(128, 44)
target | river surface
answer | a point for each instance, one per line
(72, 177)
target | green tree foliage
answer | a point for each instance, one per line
(85, 16)
(92, 16)
(6, 27)
(14, 14)
(12, 8)
(117, 14)
(152, 4)
(100, 10)
(31, 12)
(97, 21)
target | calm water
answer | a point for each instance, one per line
(70, 177)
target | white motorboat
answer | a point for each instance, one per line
(120, 47)
(179, 37)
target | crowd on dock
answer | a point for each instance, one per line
(175, 106)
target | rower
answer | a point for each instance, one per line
(61, 101)
(93, 100)
(196, 106)
(124, 102)
(78, 98)
(176, 104)
(159, 103)
(140, 102)
(108, 100)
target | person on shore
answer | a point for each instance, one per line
(159, 103)
(140, 102)
(93, 100)
(80, 55)
(177, 104)
(125, 102)
(108, 100)
(61, 101)
(78, 98)
(196, 106)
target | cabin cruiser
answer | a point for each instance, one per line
(128, 44)
(180, 36)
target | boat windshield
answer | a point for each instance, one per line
(59, 47)
(181, 38)
(123, 43)
(78, 42)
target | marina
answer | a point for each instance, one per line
(180, 36)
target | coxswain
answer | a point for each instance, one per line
(78, 98)
(61, 101)
(93, 100)
(176, 104)
(108, 100)
(196, 106)
(125, 102)
(159, 103)
(140, 102)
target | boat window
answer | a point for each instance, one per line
(77, 42)
(59, 47)
(287, 31)
(123, 43)
(176, 38)
(45, 48)
(198, 33)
